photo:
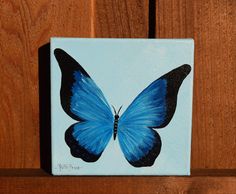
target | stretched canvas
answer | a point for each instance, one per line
(121, 106)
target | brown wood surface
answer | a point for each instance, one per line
(214, 113)
(212, 25)
(119, 185)
(26, 25)
(174, 18)
(38, 182)
(121, 19)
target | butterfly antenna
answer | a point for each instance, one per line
(114, 109)
(119, 110)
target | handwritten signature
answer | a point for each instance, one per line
(62, 167)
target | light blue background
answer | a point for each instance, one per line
(122, 68)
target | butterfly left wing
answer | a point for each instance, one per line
(83, 101)
(154, 107)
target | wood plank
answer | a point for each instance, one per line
(22, 172)
(213, 172)
(214, 114)
(174, 19)
(25, 26)
(39, 182)
(121, 18)
(119, 185)
(212, 25)
(41, 172)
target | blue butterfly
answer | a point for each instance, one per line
(83, 101)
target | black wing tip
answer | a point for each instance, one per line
(186, 68)
(60, 53)
(150, 158)
(174, 80)
(63, 56)
(67, 63)
(182, 71)
(178, 74)
(76, 150)
(58, 50)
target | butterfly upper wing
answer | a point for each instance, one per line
(154, 107)
(82, 100)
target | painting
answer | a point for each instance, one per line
(121, 106)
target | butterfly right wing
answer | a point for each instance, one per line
(82, 100)
(154, 107)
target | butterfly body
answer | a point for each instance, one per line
(136, 128)
(116, 119)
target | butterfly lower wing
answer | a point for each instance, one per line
(154, 107)
(87, 140)
(83, 101)
(140, 145)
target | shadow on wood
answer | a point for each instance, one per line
(45, 107)
(152, 19)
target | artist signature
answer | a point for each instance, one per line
(62, 167)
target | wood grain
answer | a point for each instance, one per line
(214, 115)
(121, 19)
(212, 25)
(27, 25)
(39, 182)
(24, 27)
(174, 19)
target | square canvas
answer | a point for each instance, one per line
(121, 106)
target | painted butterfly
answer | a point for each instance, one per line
(83, 101)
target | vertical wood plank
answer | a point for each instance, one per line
(214, 121)
(121, 18)
(174, 19)
(212, 25)
(27, 25)
(24, 27)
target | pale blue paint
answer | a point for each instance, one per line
(122, 68)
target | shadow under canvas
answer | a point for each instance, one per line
(45, 107)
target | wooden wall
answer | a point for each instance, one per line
(26, 25)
